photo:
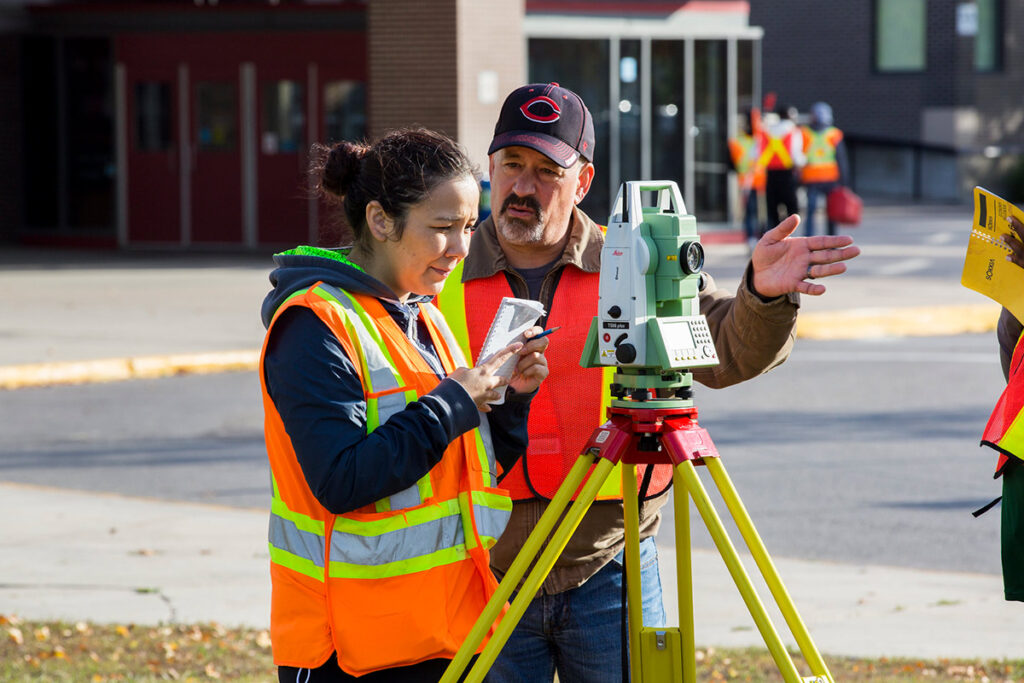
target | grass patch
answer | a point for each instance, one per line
(63, 653)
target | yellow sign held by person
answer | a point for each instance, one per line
(986, 269)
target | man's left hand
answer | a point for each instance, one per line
(784, 264)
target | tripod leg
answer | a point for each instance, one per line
(767, 567)
(542, 568)
(739, 574)
(684, 575)
(515, 572)
(631, 518)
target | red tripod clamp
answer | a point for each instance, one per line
(651, 436)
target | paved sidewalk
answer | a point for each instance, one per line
(74, 555)
(112, 559)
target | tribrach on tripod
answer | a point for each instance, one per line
(650, 329)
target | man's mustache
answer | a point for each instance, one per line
(525, 202)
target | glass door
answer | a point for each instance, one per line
(710, 131)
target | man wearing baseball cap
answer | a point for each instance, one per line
(538, 244)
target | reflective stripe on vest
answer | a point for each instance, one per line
(820, 149)
(296, 541)
(776, 151)
(560, 421)
(431, 536)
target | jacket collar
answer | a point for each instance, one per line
(583, 249)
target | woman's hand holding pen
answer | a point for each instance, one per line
(532, 367)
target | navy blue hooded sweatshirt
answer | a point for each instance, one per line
(318, 395)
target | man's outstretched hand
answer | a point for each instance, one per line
(784, 264)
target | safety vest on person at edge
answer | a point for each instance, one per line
(776, 155)
(401, 580)
(1005, 429)
(820, 150)
(746, 157)
(572, 401)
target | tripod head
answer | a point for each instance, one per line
(649, 326)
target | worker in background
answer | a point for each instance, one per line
(826, 167)
(745, 152)
(783, 157)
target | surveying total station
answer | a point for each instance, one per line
(650, 331)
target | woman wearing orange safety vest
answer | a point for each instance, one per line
(383, 469)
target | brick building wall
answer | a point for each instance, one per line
(492, 63)
(427, 61)
(810, 54)
(973, 122)
(412, 48)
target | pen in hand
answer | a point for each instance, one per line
(544, 333)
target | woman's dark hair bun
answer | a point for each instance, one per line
(341, 167)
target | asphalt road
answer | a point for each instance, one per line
(851, 451)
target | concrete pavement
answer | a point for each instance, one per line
(105, 558)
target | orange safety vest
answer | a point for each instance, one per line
(571, 402)
(776, 156)
(746, 157)
(1005, 429)
(402, 580)
(820, 149)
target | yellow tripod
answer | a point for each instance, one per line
(657, 655)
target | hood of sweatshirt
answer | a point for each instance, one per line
(302, 267)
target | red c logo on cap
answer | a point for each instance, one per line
(549, 117)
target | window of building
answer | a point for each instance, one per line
(345, 110)
(217, 116)
(153, 116)
(900, 35)
(988, 44)
(284, 121)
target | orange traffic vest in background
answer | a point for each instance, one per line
(571, 402)
(1005, 429)
(820, 150)
(401, 580)
(746, 157)
(776, 155)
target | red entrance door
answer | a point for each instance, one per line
(152, 144)
(283, 195)
(216, 145)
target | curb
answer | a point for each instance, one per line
(875, 323)
(119, 369)
(862, 323)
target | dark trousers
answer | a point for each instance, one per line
(780, 188)
(429, 671)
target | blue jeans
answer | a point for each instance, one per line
(814, 191)
(579, 632)
(750, 226)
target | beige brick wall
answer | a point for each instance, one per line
(494, 51)
(428, 61)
